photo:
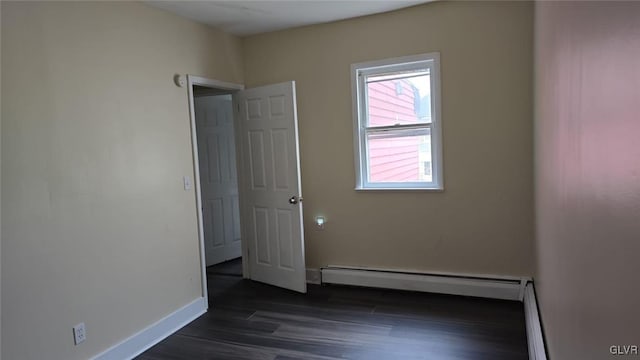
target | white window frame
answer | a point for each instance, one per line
(360, 114)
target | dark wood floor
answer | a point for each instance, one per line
(231, 267)
(249, 320)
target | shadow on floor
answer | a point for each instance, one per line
(231, 267)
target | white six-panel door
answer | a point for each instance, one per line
(271, 185)
(218, 178)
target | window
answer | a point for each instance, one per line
(397, 123)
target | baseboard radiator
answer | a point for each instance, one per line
(534, 328)
(486, 286)
(495, 287)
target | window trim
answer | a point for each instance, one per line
(359, 105)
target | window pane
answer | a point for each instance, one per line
(400, 156)
(399, 98)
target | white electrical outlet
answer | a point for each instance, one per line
(79, 334)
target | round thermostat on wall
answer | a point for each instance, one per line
(180, 80)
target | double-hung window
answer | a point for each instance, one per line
(397, 125)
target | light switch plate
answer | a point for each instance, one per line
(187, 183)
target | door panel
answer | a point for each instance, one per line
(280, 159)
(256, 160)
(215, 212)
(284, 223)
(235, 212)
(213, 156)
(261, 235)
(269, 136)
(218, 179)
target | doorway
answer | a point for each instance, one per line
(247, 180)
(215, 173)
(218, 175)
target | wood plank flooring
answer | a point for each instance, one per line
(249, 320)
(231, 267)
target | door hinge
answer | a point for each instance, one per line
(238, 107)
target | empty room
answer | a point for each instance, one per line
(277, 180)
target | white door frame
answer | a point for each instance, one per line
(230, 88)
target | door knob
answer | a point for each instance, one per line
(294, 200)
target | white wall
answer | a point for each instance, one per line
(96, 226)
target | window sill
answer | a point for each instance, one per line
(399, 189)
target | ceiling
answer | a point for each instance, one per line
(243, 18)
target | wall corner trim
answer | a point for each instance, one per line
(153, 334)
(535, 338)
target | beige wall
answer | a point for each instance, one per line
(95, 141)
(483, 221)
(588, 176)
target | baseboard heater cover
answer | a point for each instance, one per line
(498, 287)
(535, 338)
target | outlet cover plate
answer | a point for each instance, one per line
(79, 334)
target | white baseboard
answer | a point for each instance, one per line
(313, 276)
(143, 340)
(498, 287)
(534, 329)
